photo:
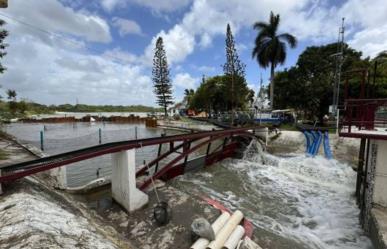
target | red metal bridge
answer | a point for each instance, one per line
(183, 145)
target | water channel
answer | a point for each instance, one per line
(294, 201)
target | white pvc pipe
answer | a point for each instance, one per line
(234, 238)
(226, 231)
(201, 243)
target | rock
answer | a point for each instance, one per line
(202, 228)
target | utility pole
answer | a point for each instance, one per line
(261, 100)
(339, 62)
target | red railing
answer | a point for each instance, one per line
(363, 114)
(19, 170)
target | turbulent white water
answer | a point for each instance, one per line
(309, 200)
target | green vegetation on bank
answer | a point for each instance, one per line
(19, 109)
(104, 108)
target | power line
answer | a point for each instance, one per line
(62, 37)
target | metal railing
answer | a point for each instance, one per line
(363, 114)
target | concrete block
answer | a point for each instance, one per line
(124, 189)
(1, 187)
(60, 176)
(380, 188)
(381, 165)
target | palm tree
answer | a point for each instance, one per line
(189, 93)
(11, 94)
(270, 47)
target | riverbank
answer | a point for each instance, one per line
(39, 215)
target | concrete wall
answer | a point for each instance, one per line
(124, 189)
(1, 187)
(380, 186)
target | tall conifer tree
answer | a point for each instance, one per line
(233, 66)
(3, 35)
(161, 81)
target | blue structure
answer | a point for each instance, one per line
(313, 142)
(327, 148)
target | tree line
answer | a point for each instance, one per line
(227, 92)
(308, 86)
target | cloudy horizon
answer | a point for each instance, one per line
(101, 51)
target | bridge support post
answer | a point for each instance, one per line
(124, 189)
(1, 187)
(60, 175)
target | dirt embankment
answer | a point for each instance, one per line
(33, 215)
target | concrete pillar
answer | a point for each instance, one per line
(1, 187)
(60, 175)
(124, 189)
(378, 156)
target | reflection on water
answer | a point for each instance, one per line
(64, 137)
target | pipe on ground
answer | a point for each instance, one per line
(226, 231)
(201, 243)
(234, 238)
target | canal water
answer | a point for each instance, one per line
(65, 137)
(294, 201)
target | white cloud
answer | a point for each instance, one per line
(178, 43)
(205, 41)
(109, 5)
(370, 41)
(118, 55)
(43, 68)
(126, 26)
(52, 16)
(308, 20)
(56, 75)
(184, 81)
(154, 5)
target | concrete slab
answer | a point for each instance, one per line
(15, 153)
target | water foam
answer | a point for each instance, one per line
(307, 199)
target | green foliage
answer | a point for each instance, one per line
(3, 154)
(215, 94)
(20, 109)
(161, 80)
(233, 65)
(270, 47)
(11, 94)
(101, 108)
(188, 95)
(308, 86)
(378, 77)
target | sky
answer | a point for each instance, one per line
(100, 51)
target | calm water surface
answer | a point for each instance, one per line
(65, 137)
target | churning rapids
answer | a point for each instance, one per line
(295, 201)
